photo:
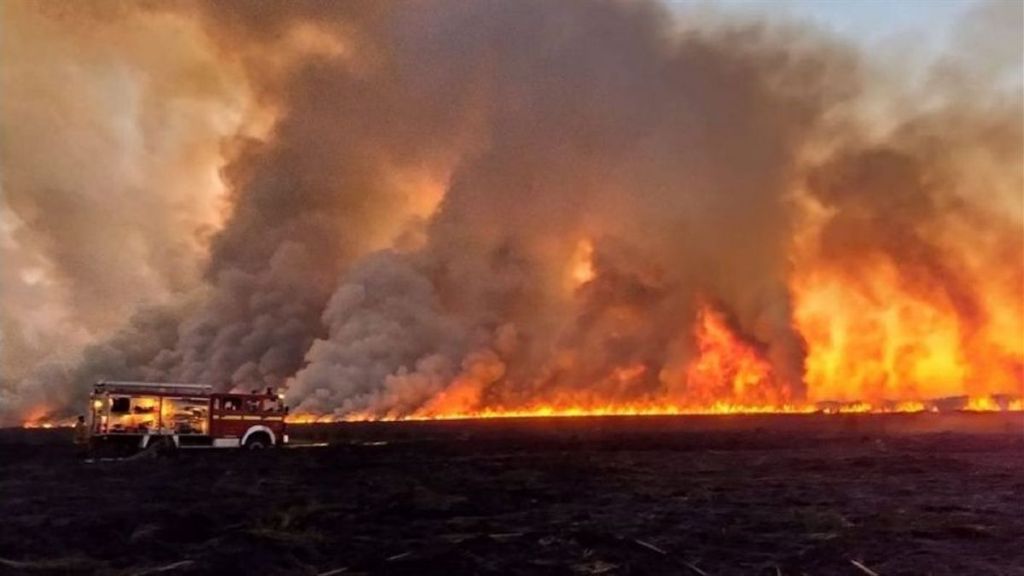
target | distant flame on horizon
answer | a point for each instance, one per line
(978, 404)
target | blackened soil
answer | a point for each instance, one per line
(594, 496)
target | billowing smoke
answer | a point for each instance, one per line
(445, 207)
(111, 124)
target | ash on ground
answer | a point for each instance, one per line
(889, 494)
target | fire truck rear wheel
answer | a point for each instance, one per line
(257, 442)
(163, 446)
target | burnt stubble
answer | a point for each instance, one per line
(898, 494)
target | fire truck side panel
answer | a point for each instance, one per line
(129, 415)
(236, 417)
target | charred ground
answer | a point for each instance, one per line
(901, 494)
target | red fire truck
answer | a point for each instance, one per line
(138, 415)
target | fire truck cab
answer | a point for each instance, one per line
(135, 415)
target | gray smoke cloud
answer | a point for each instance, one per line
(400, 237)
(612, 129)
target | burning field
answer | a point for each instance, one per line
(443, 209)
(570, 287)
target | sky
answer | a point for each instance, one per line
(869, 22)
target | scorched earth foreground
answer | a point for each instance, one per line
(779, 494)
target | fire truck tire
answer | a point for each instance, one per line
(258, 441)
(164, 447)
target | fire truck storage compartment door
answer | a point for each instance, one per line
(133, 414)
(120, 405)
(186, 415)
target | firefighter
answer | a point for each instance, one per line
(81, 437)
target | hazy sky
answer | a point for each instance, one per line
(866, 21)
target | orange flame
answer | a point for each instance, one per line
(871, 339)
(873, 347)
(726, 367)
(727, 376)
(973, 404)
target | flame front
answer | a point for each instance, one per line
(728, 371)
(891, 344)
(872, 346)
(730, 376)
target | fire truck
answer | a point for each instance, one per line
(129, 416)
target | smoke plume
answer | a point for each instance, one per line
(428, 208)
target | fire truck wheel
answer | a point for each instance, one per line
(160, 447)
(257, 442)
